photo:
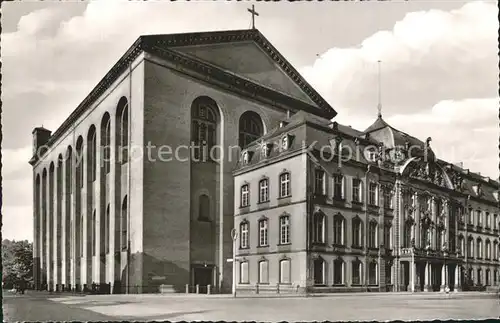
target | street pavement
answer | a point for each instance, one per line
(38, 306)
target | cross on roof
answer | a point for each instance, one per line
(254, 13)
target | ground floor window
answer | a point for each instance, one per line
(319, 271)
(244, 272)
(263, 272)
(388, 274)
(285, 271)
(487, 278)
(372, 273)
(356, 272)
(338, 272)
(479, 278)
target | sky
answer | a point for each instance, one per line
(439, 68)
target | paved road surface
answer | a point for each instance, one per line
(421, 306)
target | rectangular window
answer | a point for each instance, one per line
(356, 190)
(319, 182)
(372, 191)
(284, 229)
(488, 220)
(338, 272)
(338, 230)
(373, 235)
(244, 235)
(387, 199)
(263, 190)
(244, 272)
(245, 195)
(479, 218)
(263, 233)
(263, 272)
(356, 273)
(285, 184)
(338, 187)
(372, 273)
(471, 215)
(285, 271)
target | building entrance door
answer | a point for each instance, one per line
(203, 277)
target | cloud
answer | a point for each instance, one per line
(428, 56)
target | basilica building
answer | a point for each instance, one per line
(322, 207)
(130, 195)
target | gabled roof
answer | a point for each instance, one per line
(189, 51)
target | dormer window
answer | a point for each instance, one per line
(371, 155)
(477, 189)
(495, 194)
(283, 124)
(245, 157)
(285, 142)
(264, 150)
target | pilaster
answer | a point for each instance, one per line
(72, 237)
(55, 223)
(417, 220)
(110, 275)
(64, 240)
(48, 240)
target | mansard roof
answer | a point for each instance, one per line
(189, 52)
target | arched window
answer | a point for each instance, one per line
(124, 224)
(357, 233)
(79, 162)
(203, 124)
(496, 253)
(319, 228)
(106, 142)
(487, 274)
(487, 250)
(338, 230)
(204, 208)
(372, 235)
(92, 154)
(407, 234)
(122, 135)
(250, 128)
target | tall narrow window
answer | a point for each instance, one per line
(461, 244)
(204, 208)
(284, 229)
(319, 182)
(285, 271)
(94, 237)
(387, 237)
(407, 235)
(338, 230)
(479, 248)
(124, 135)
(263, 272)
(204, 122)
(285, 185)
(356, 272)
(245, 192)
(107, 147)
(470, 216)
(244, 226)
(264, 190)
(372, 273)
(319, 271)
(107, 228)
(356, 190)
(373, 235)
(263, 233)
(372, 191)
(495, 221)
(319, 228)
(357, 233)
(387, 199)
(338, 272)
(92, 161)
(487, 250)
(338, 187)
(244, 272)
(124, 224)
(470, 247)
(487, 220)
(479, 217)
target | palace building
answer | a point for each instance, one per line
(321, 207)
(128, 196)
